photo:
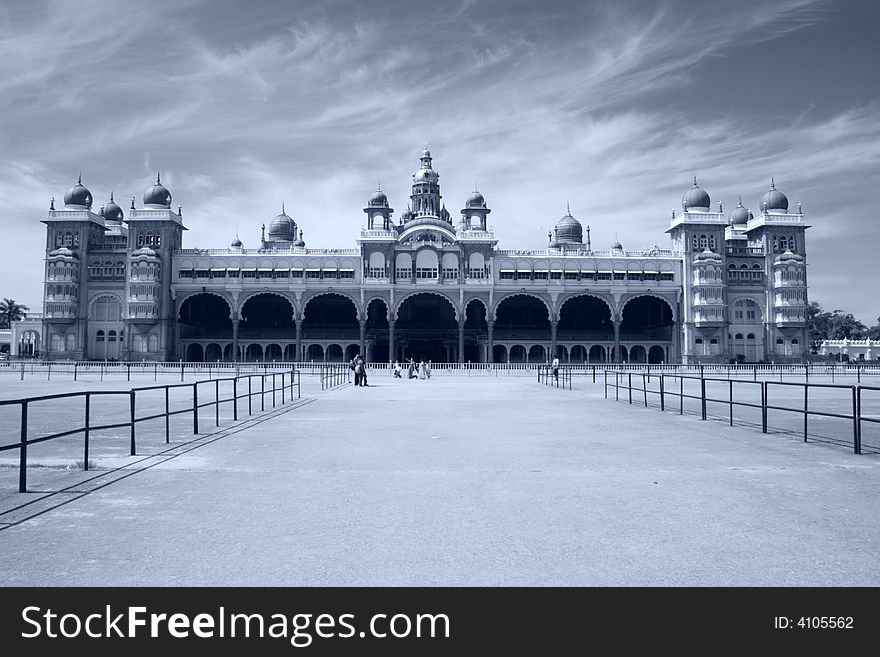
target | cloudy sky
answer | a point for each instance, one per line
(609, 106)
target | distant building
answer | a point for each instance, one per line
(121, 285)
(851, 350)
(24, 338)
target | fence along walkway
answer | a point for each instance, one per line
(761, 396)
(282, 386)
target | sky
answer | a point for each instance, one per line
(610, 107)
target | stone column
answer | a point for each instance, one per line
(299, 353)
(392, 356)
(617, 357)
(235, 340)
(491, 357)
(675, 356)
(461, 340)
(553, 339)
(363, 327)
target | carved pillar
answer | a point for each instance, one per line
(491, 357)
(553, 339)
(235, 340)
(299, 354)
(363, 327)
(461, 340)
(392, 356)
(617, 357)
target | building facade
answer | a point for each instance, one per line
(120, 285)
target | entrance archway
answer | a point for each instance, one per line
(646, 318)
(522, 315)
(585, 317)
(426, 328)
(475, 331)
(194, 353)
(377, 331)
(331, 316)
(656, 355)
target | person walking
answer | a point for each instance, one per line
(363, 366)
(396, 370)
(412, 369)
(423, 372)
(555, 367)
(428, 369)
(354, 368)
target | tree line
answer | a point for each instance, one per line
(836, 325)
(10, 311)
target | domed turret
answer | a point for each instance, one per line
(788, 257)
(707, 256)
(113, 212)
(475, 200)
(616, 245)
(569, 230)
(157, 196)
(282, 228)
(236, 243)
(78, 197)
(739, 216)
(695, 199)
(774, 200)
(378, 199)
(299, 241)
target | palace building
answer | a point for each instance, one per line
(119, 284)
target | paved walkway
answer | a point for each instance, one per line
(457, 481)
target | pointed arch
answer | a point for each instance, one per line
(400, 302)
(510, 295)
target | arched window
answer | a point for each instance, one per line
(99, 336)
(750, 336)
(795, 341)
(713, 341)
(698, 341)
(68, 239)
(704, 242)
(739, 336)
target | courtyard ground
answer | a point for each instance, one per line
(471, 481)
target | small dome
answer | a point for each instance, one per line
(616, 245)
(475, 200)
(569, 229)
(145, 252)
(113, 212)
(406, 215)
(62, 252)
(378, 199)
(236, 243)
(299, 241)
(425, 175)
(739, 216)
(157, 196)
(774, 199)
(282, 227)
(695, 198)
(707, 255)
(788, 257)
(78, 196)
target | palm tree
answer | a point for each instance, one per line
(11, 312)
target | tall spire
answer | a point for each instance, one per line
(158, 182)
(567, 208)
(695, 180)
(79, 180)
(282, 208)
(111, 197)
(772, 183)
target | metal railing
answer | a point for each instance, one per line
(334, 374)
(289, 382)
(559, 376)
(666, 387)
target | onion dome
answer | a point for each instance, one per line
(378, 199)
(707, 256)
(299, 241)
(282, 228)
(78, 196)
(788, 258)
(236, 243)
(774, 199)
(113, 212)
(569, 229)
(475, 200)
(157, 196)
(695, 198)
(406, 215)
(740, 215)
(425, 175)
(616, 245)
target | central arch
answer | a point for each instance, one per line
(426, 328)
(203, 317)
(647, 318)
(330, 318)
(476, 330)
(377, 333)
(585, 317)
(267, 315)
(522, 317)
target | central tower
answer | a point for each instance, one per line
(426, 188)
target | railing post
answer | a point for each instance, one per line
(217, 402)
(680, 394)
(155, 372)
(273, 389)
(662, 402)
(730, 397)
(196, 407)
(857, 438)
(132, 407)
(86, 435)
(645, 388)
(629, 385)
(282, 388)
(181, 371)
(763, 407)
(263, 390)
(22, 451)
(605, 383)
(167, 416)
(616, 385)
(235, 399)
(49, 372)
(806, 409)
(75, 366)
(250, 395)
(702, 394)
(128, 371)
(594, 374)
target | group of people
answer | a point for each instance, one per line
(359, 367)
(421, 370)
